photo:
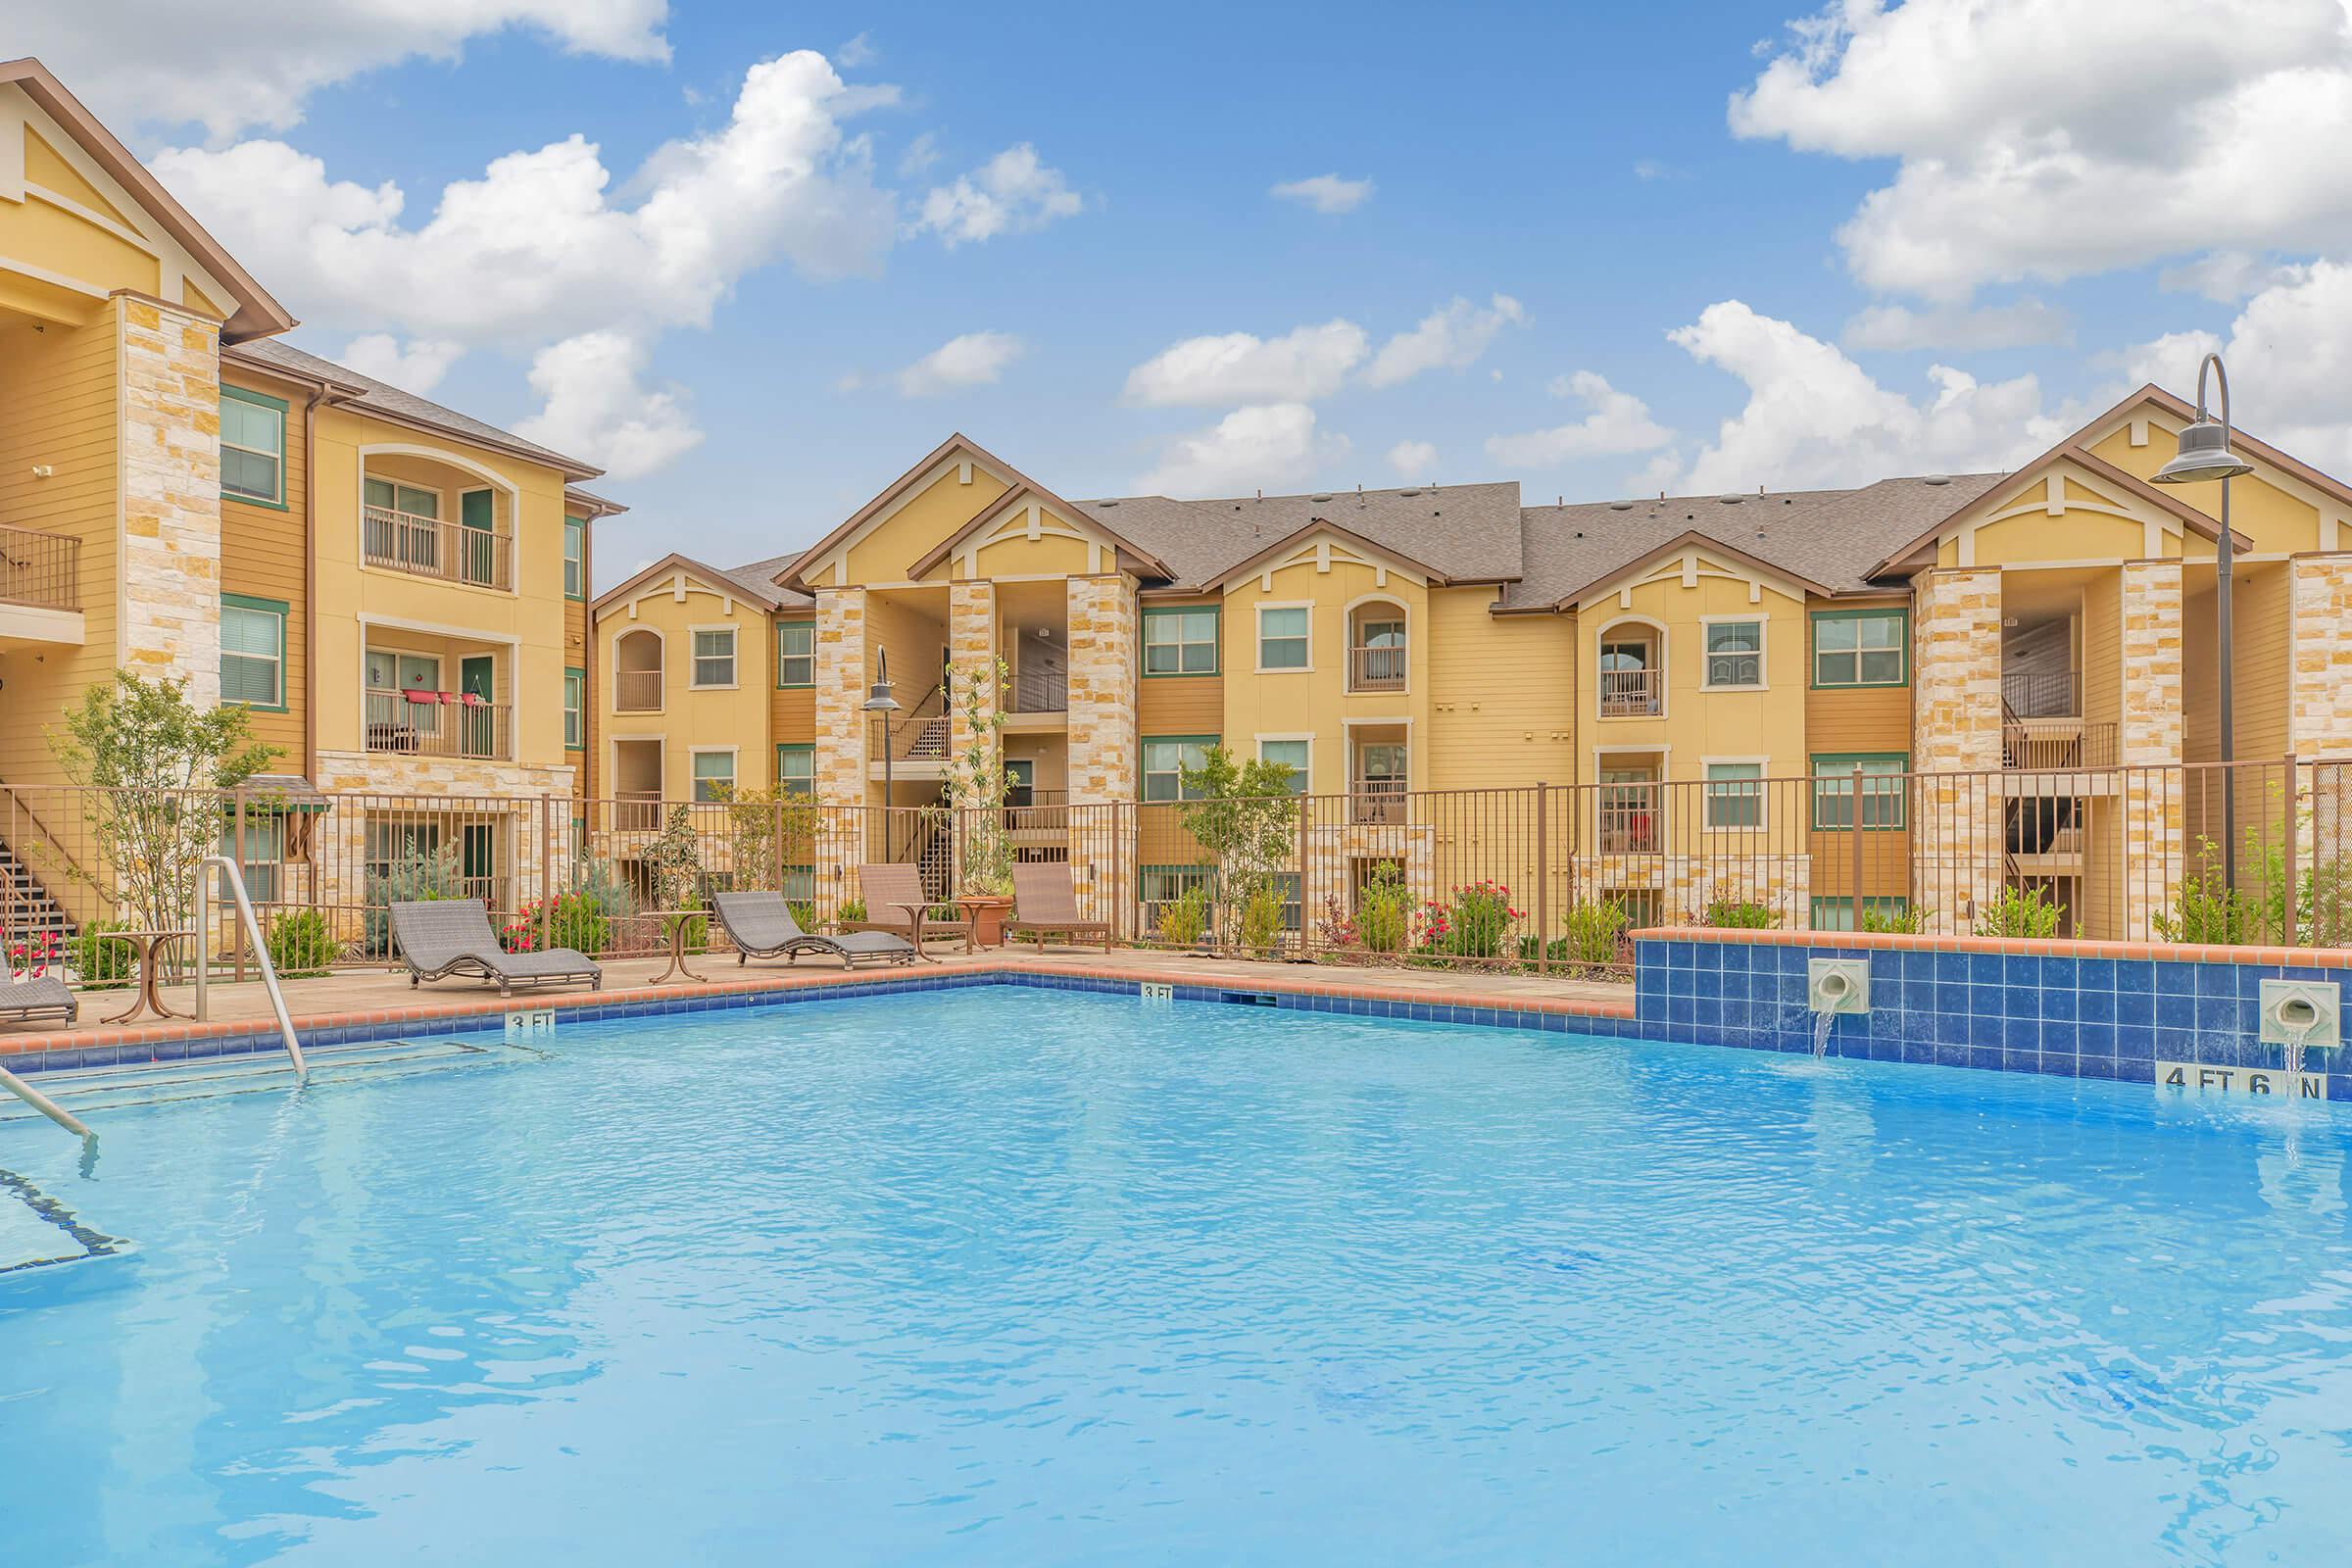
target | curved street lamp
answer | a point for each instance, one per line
(881, 704)
(2205, 455)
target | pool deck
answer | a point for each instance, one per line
(369, 997)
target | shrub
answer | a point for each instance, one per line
(98, 963)
(577, 921)
(1910, 920)
(420, 877)
(1261, 917)
(851, 911)
(1183, 919)
(804, 913)
(1736, 914)
(1597, 931)
(1384, 909)
(2021, 912)
(302, 942)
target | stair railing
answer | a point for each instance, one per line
(236, 879)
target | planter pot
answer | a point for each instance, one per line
(988, 920)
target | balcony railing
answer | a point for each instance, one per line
(919, 739)
(1376, 670)
(1629, 818)
(2053, 745)
(2043, 694)
(40, 568)
(1378, 801)
(439, 724)
(428, 546)
(637, 691)
(1632, 694)
(636, 811)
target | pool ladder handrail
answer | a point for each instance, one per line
(261, 952)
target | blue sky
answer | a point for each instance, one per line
(1679, 287)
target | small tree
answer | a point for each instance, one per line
(676, 861)
(976, 783)
(763, 827)
(151, 764)
(1246, 820)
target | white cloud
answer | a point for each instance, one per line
(1815, 418)
(1273, 446)
(596, 406)
(1652, 168)
(2224, 277)
(920, 156)
(1617, 425)
(2056, 138)
(2290, 353)
(1325, 193)
(1009, 194)
(163, 63)
(975, 359)
(858, 51)
(1413, 460)
(1303, 364)
(1892, 327)
(417, 366)
(1450, 337)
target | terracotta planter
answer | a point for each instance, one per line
(988, 920)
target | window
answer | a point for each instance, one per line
(715, 657)
(1020, 782)
(414, 500)
(800, 887)
(400, 525)
(253, 446)
(575, 706)
(393, 844)
(796, 769)
(1838, 914)
(1882, 791)
(714, 775)
(1164, 760)
(1164, 884)
(1282, 638)
(575, 557)
(1735, 795)
(1296, 756)
(1734, 654)
(1860, 646)
(796, 653)
(252, 652)
(262, 860)
(1180, 642)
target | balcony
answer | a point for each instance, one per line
(1379, 668)
(637, 691)
(1630, 818)
(430, 546)
(422, 723)
(1378, 802)
(2041, 693)
(40, 569)
(1632, 693)
(2055, 745)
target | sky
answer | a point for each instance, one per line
(755, 261)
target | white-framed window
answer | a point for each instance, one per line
(1282, 637)
(252, 652)
(575, 557)
(1735, 795)
(1164, 760)
(1860, 646)
(253, 446)
(1297, 754)
(1180, 641)
(262, 858)
(715, 657)
(796, 769)
(796, 653)
(714, 775)
(575, 707)
(1735, 654)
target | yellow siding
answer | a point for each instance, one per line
(2262, 636)
(691, 719)
(2273, 519)
(1856, 719)
(1179, 704)
(1315, 702)
(888, 548)
(1503, 694)
(56, 408)
(262, 552)
(910, 625)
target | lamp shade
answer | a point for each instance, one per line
(2204, 455)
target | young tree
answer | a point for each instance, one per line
(976, 783)
(1246, 820)
(151, 765)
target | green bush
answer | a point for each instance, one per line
(1910, 920)
(575, 922)
(1261, 917)
(1183, 919)
(1476, 923)
(851, 911)
(1384, 909)
(804, 913)
(1738, 915)
(420, 876)
(97, 964)
(2021, 912)
(1596, 931)
(302, 942)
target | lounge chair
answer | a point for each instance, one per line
(445, 937)
(1046, 903)
(761, 925)
(30, 1001)
(895, 903)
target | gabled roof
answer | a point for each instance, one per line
(587, 504)
(1292, 540)
(725, 582)
(1704, 544)
(1458, 533)
(256, 314)
(766, 577)
(2184, 410)
(1025, 491)
(904, 484)
(348, 388)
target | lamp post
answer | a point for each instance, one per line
(881, 704)
(2205, 455)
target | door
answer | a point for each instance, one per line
(477, 515)
(478, 681)
(477, 851)
(1020, 781)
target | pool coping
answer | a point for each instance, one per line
(182, 1040)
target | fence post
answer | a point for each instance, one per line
(1307, 924)
(236, 928)
(2294, 938)
(1855, 903)
(547, 872)
(1543, 879)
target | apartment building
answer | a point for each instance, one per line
(2029, 638)
(394, 592)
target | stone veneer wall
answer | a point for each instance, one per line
(1957, 860)
(2319, 712)
(168, 386)
(840, 760)
(2150, 736)
(531, 808)
(1102, 738)
(971, 652)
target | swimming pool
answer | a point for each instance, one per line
(1013, 1274)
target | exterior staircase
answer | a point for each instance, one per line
(937, 857)
(28, 910)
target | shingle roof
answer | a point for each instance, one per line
(380, 397)
(1830, 537)
(760, 576)
(1469, 532)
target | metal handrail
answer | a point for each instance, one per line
(42, 1102)
(261, 951)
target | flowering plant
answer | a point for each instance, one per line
(29, 959)
(1476, 922)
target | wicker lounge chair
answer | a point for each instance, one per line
(445, 937)
(895, 903)
(32, 1000)
(1046, 903)
(761, 925)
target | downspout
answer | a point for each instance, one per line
(310, 585)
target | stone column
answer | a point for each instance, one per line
(2149, 738)
(1958, 846)
(841, 748)
(1102, 740)
(169, 410)
(972, 654)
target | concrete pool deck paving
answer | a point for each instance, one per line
(376, 998)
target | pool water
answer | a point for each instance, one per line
(1015, 1275)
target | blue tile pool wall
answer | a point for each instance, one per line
(2012, 1012)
